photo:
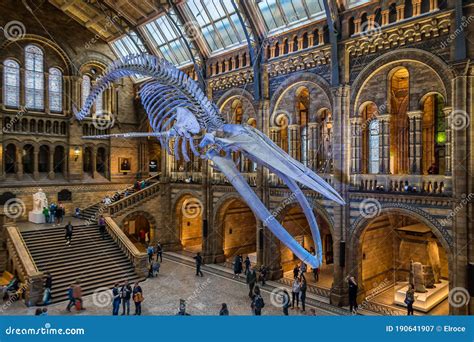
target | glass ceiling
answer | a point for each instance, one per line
(126, 46)
(165, 37)
(281, 14)
(219, 23)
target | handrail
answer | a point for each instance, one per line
(127, 188)
(24, 266)
(133, 198)
(138, 259)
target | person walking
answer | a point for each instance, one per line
(155, 267)
(410, 299)
(150, 252)
(303, 289)
(48, 284)
(224, 311)
(316, 274)
(69, 229)
(77, 294)
(247, 265)
(237, 266)
(257, 302)
(70, 297)
(285, 302)
(101, 223)
(137, 298)
(126, 294)
(115, 299)
(159, 252)
(353, 289)
(295, 293)
(263, 274)
(296, 271)
(251, 280)
(199, 263)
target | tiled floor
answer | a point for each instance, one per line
(203, 295)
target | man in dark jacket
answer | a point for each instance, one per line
(251, 280)
(116, 300)
(48, 284)
(159, 252)
(126, 294)
(69, 229)
(199, 262)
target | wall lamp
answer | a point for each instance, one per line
(77, 152)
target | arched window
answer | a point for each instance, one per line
(373, 148)
(34, 78)
(86, 88)
(55, 87)
(11, 83)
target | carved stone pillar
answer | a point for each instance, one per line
(414, 141)
(416, 7)
(35, 164)
(357, 25)
(19, 163)
(448, 145)
(51, 173)
(94, 162)
(320, 37)
(310, 39)
(370, 22)
(294, 141)
(313, 145)
(385, 17)
(300, 43)
(401, 12)
(433, 5)
(356, 145)
(384, 143)
(291, 46)
(272, 51)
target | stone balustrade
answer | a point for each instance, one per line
(133, 199)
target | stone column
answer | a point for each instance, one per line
(94, 162)
(385, 17)
(310, 39)
(356, 145)
(433, 5)
(357, 25)
(19, 163)
(448, 146)
(401, 12)
(416, 7)
(35, 164)
(313, 145)
(384, 143)
(415, 141)
(51, 173)
(293, 133)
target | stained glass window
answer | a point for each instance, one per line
(281, 14)
(11, 83)
(86, 88)
(34, 78)
(374, 146)
(218, 22)
(55, 87)
(164, 36)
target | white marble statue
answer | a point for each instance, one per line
(39, 201)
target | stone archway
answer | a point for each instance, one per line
(383, 248)
(139, 226)
(188, 210)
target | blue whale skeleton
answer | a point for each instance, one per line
(178, 109)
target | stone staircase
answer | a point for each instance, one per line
(93, 212)
(97, 262)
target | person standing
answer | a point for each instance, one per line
(60, 211)
(251, 280)
(263, 274)
(296, 271)
(199, 263)
(101, 223)
(52, 213)
(353, 289)
(237, 266)
(295, 293)
(224, 311)
(316, 274)
(159, 252)
(303, 268)
(77, 294)
(285, 302)
(247, 264)
(150, 252)
(303, 289)
(126, 294)
(257, 302)
(115, 299)
(410, 299)
(138, 298)
(69, 229)
(46, 214)
(70, 297)
(48, 284)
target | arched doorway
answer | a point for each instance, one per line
(87, 161)
(396, 249)
(10, 159)
(238, 227)
(59, 160)
(295, 222)
(101, 161)
(28, 159)
(138, 230)
(43, 159)
(189, 219)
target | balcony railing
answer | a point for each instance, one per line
(134, 198)
(425, 184)
(186, 177)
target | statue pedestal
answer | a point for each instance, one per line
(424, 301)
(36, 217)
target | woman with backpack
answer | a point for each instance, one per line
(410, 299)
(137, 298)
(257, 302)
(286, 302)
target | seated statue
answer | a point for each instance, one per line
(39, 201)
